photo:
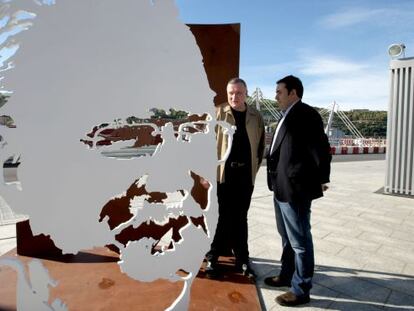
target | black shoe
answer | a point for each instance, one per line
(212, 270)
(246, 269)
(276, 281)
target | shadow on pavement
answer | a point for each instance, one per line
(338, 288)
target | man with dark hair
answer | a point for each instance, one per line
(235, 177)
(298, 169)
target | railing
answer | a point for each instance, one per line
(358, 142)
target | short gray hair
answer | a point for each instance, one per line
(236, 81)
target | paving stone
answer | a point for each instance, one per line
(266, 254)
(399, 301)
(322, 297)
(409, 269)
(264, 269)
(344, 230)
(264, 200)
(352, 211)
(253, 234)
(387, 240)
(337, 221)
(7, 231)
(393, 281)
(383, 219)
(268, 229)
(268, 211)
(326, 210)
(266, 220)
(374, 210)
(329, 262)
(357, 288)
(406, 204)
(365, 257)
(345, 304)
(397, 253)
(264, 242)
(366, 225)
(319, 233)
(352, 242)
(7, 245)
(269, 296)
(408, 224)
(403, 235)
(403, 214)
(376, 264)
(327, 246)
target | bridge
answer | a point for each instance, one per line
(356, 144)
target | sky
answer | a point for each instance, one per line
(338, 48)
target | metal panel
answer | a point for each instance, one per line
(400, 127)
(410, 180)
(220, 47)
(406, 134)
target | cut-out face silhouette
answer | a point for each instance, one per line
(85, 178)
(153, 222)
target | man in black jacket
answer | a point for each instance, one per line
(298, 168)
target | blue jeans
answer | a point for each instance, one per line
(293, 225)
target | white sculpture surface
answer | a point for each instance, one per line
(75, 64)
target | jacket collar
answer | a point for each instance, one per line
(227, 109)
(282, 130)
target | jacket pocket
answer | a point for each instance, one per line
(295, 171)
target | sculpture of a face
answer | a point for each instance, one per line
(88, 63)
(150, 224)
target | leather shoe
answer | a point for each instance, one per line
(212, 270)
(276, 281)
(246, 269)
(289, 299)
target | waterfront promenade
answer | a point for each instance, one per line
(364, 242)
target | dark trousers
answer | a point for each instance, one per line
(234, 198)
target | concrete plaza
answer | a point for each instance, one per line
(363, 239)
(364, 242)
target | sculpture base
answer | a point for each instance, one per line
(92, 280)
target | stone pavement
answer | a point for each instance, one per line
(363, 240)
(7, 237)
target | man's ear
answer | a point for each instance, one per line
(293, 92)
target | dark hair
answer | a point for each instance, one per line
(292, 83)
(237, 80)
